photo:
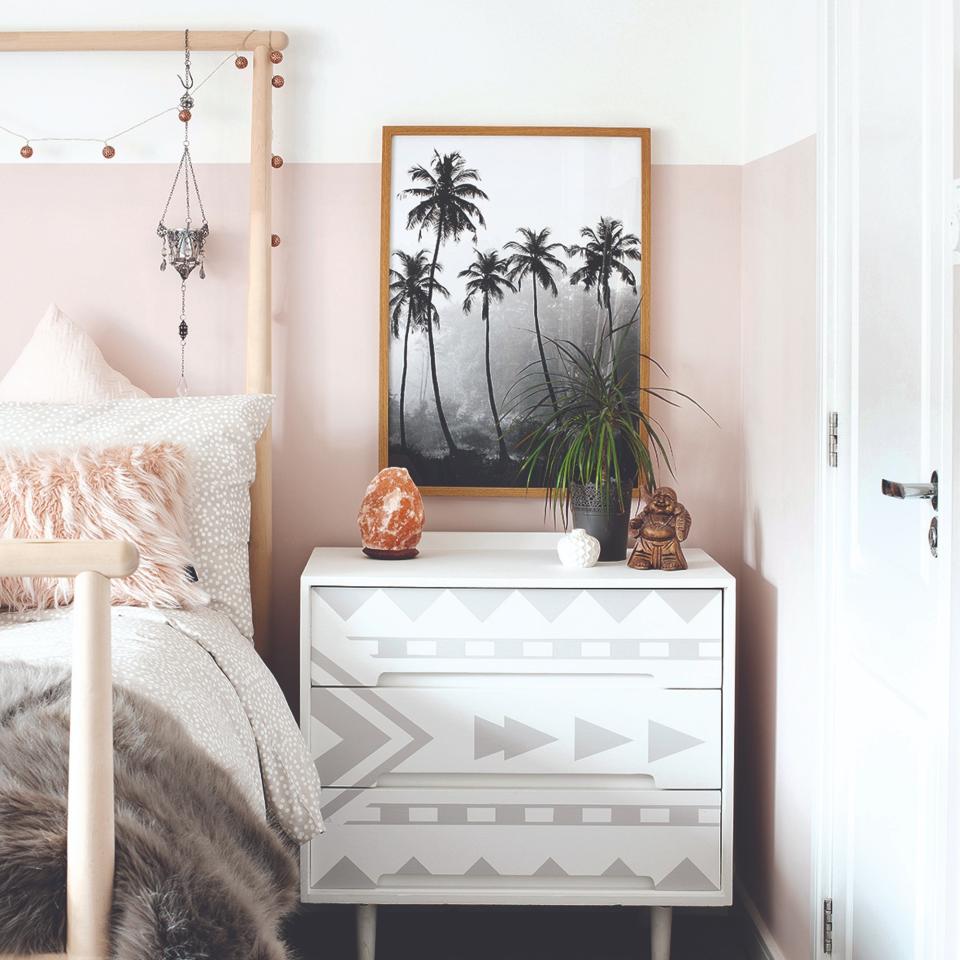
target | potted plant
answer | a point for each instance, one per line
(591, 442)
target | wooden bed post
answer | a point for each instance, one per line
(90, 807)
(259, 320)
(90, 852)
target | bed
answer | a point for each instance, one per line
(239, 756)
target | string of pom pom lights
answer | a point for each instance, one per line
(183, 242)
(30, 145)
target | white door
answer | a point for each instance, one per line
(886, 176)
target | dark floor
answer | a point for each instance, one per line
(515, 933)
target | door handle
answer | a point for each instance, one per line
(912, 491)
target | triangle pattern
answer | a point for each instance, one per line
(346, 875)
(618, 869)
(346, 601)
(664, 741)
(551, 603)
(590, 738)
(413, 868)
(620, 603)
(481, 603)
(686, 876)
(481, 869)
(414, 601)
(687, 603)
(550, 868)
(513, 738)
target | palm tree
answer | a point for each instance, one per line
(605, 252)
(409, 291)
(445, 193)
(533, 257)
(486, 277)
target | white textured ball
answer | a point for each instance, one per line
(578, 549)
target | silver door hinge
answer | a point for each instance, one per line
(832, 435)
(828, 925)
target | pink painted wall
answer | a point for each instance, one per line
(776, 680)
(86, 239)
(734, 323)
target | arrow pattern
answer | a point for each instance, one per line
(589, 739)
(513, 738)
(664, 741)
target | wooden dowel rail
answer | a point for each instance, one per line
(90, 801)
(140, 40)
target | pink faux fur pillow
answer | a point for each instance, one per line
(133, 493)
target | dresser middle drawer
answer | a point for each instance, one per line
(364, 636)
(363, 737)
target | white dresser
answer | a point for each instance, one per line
(492, 728)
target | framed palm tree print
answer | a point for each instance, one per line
(503, 249)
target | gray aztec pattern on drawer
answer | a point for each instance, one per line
(361, 633)
(633, 839)
(358, 734)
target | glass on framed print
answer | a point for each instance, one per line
(501, 248)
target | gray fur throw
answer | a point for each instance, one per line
(199, 875)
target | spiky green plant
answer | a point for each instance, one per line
(597, 432)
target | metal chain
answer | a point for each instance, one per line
(173, 187)
(196, 189)
(181, 388)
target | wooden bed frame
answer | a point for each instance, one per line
(90, 802)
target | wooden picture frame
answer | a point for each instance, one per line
(390, 190)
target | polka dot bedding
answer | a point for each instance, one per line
(219, 435)
(196, 665)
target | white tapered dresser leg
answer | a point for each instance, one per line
(661, 920)
(367, 931)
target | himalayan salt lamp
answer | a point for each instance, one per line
(391, 516)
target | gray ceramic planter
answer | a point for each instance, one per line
(605, 518)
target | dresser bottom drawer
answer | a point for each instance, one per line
(498, 845)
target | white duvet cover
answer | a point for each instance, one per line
(198, 666)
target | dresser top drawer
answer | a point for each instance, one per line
(500, 560)
(359, 636)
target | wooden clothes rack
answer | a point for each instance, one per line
(90, 813)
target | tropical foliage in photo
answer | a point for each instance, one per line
(537, 293)
(446, 195)
(411, 301)
(604, 253)
(487, 279)
(533, 256)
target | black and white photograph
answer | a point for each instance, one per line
(504, 251)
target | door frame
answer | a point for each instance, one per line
(834, 225)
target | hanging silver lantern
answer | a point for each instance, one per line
(183, 247)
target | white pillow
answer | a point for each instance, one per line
(62, 364)
(219, 436)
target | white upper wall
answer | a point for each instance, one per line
(779, 74)
(354, 65)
